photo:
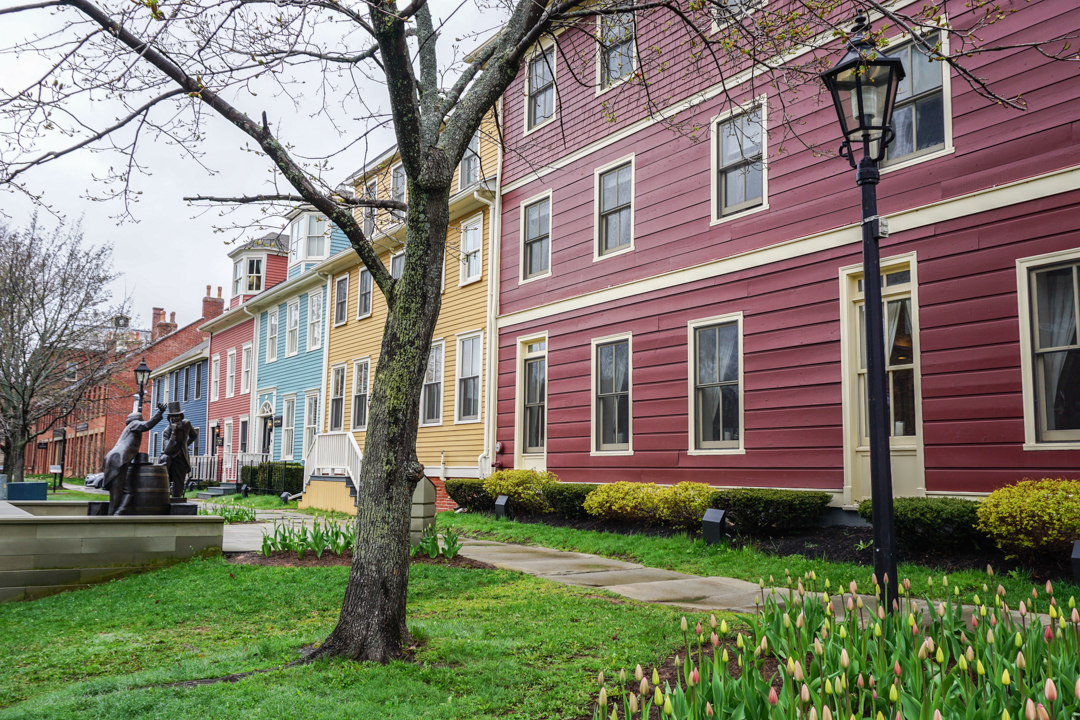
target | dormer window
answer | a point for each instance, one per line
(307, 238)
(238, 277)
(247, 276)
(254, 275)
(470, 163)
(398, 190)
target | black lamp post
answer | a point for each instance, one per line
(142, 376)
(863, 87)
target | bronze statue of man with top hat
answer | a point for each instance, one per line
(174, 456)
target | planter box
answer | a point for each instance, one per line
(28, 491)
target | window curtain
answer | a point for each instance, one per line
(1057, 326)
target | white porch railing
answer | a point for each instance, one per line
(333, 454)
(204, 468)
(232, 462)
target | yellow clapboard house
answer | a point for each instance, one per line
(452, 440)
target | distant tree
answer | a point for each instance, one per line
(56, 339)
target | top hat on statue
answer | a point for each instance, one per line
(174, 409)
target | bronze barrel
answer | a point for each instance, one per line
(150, 486)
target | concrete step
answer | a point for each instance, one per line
(218, 492)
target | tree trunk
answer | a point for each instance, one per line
(372, 622)
(15, 458)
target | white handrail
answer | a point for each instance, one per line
(333, 454)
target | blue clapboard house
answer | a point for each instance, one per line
(184, 380)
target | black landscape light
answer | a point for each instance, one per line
(1076, 562)
(284, 497)
(501, 504)
(712, 526)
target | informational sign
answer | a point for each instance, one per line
(82, 427)
(43, 446)
(55, 468)
(278, 420)
(59, 433)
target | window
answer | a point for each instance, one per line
(1056, 352)
(254, 274)
(307, 238)
(337, 398)
(469, 170)
(739, 183)
(238, 277)
(311, 421)
(198, 381)
(271, 335)
(215, 376)
(535, 406)
(919, 114)
(398, 189)
(397, 265)
(536, 231)
(245, 369)
(316, 236)
(615, 193)
(616, 35)
(716, 403)
(471, 256)
(187, 383)
(611, 377)
(288, 428)
(899, 354)
(363, 294)
(228, 437)
(431, 394)
(71, 374)
(292, 328)
(243, 435)
(469, 354)
(734, 10)
(361, 373)
(541, 96)
(314, 338)
(371, 192)
(155, 451)
(174, 385)
(230, 374)
(341, 300)
(294, 242)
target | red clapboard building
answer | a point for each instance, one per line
(687, 307)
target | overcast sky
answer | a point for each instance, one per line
(169, 256)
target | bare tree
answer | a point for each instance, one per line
(160, 66)
(55, 324)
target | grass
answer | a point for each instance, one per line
(496, 644)
(683, 554)
(272, 502)
(65, 494)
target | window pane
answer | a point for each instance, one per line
(731, 150)
(1061, 390)
(609, 424)
(432, 402)
(709, 414)
(707, 370)
(624, 185)
(534, 382)
(607, 366)
(609, 191)
(622, 367)
(926, 73)
(730, 413)
(728, 351)
(903, 90)
(753, 181)
(902, 399)
(532, 221)
(904, 144)
(734, 191)
(862, 337)
(898, 340)
(534, 428)
(612, 231)
(1056, 306)
(543, 210)
(930, 122)
(897, 278)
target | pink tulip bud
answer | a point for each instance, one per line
(1001, 590)
(873, 579)
(860, 683)
(974, 623)
(715, 640)
(907, 584)
(698, 629)
(1076, 689)
(872, 681)
(1029, 710)
(937, 715)
(1048, 634)
(914, 629)
(708, 710)
(1040, 712)
(880, 613)
(1050, 690)
(1022, 609)
(804, 694)
(993, 621)
(853, 588)
(1049, 588)
(712, 621)
(695, 677)
(1034, 594)
(813, 713)
(896, 669)
(773, 699)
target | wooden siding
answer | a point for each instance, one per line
(239, 404)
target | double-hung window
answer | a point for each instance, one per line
(397, 264)
(316, 236)
(398, 190)
(739, 164)
(431, 394)
(1055, 294)
(215, 377)
(311, 421)
(612, 401)
(254, 275)
(919, 113)
(271, 335)
(314, 341)
(288, 428)
(198, 380)
(615, 191)
(243, 435)
(292, 328)
(470, 351)
(371, 192)
(341, 300)
(361, 373)
(238, 277)
(536, 227)
(534, 434)
(230, 374)
(469, 170)
(363, 294)
(245, 369)
(541, 97)
(471, 257)
(616, 36)
(337, 398)
(187, 382)
(228, 436)
(715, 367)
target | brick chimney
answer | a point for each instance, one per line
(161, 326)
(212, 306)
(159, 316)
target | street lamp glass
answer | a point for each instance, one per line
(142, 374)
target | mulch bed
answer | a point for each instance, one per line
(328, 559)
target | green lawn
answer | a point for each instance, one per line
(65, 494)
(496, 644)
(272, 502)
(682, 554)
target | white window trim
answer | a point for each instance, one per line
(716, 26)
(946, 106)
(365, 194)
(542, 45)
(1024, 266)
(396, 221)
(523, 343)
(600, 90)
(303, 428)
(547, 194)
(691, 327)
(593, 382)
(479, 173)
(281, 440)
(476, 221)
(215, 381)
(292, 303)
(240, 435)
(761, 104)
(317, 336)
(596, 207)
(230, 383)
(245, 374)
(301, 250)
(359, 286)
(366, 360)
(337, 279)
(442, 387)
(457, 375)
(272, 312)
(330, 396)
(227, 436)
(390, 269)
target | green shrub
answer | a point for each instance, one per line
(682, 506)
(927, 523)
(523, 488)
(625, 501)
(757, 511)
(275, 477)
(568, 499)
(470, 494)
(1033, 516)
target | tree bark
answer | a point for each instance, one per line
(15, 459)
(371, 626)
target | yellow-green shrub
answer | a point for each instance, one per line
(1033, 516)
(625, 501)
(682, 506)
(523, 488)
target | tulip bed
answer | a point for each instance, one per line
(1006, 658)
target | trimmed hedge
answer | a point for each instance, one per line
(757, 511)
(274, 477)
(524, 489)
(470, 494)
(683, 505)
(625, 502)
(924, 523)
(568, 499)
(1033, 517)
